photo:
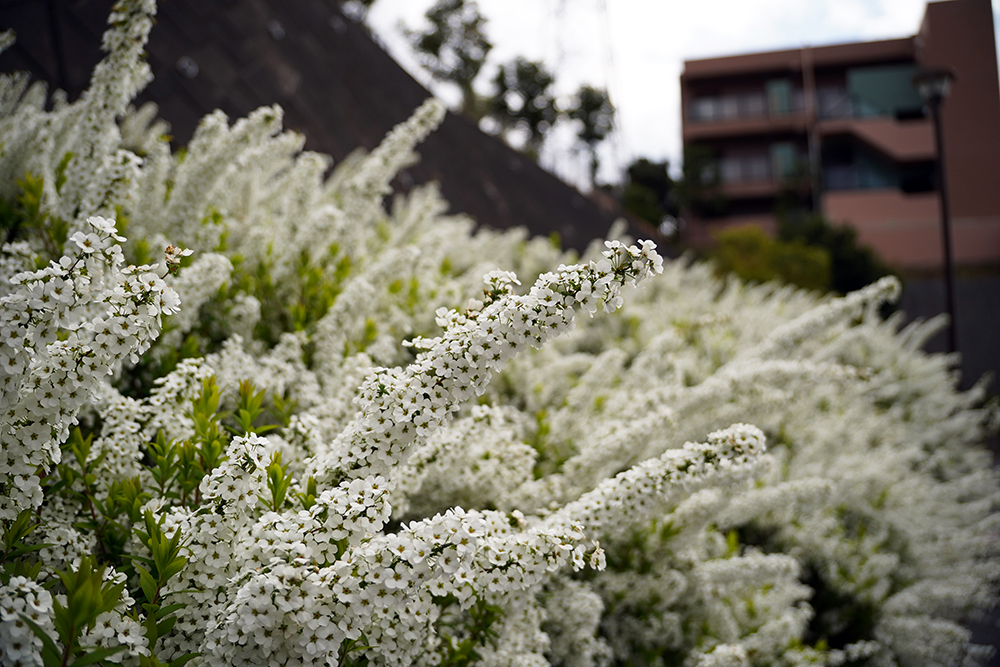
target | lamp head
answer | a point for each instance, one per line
(933, 84)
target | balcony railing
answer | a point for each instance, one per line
(746, 169)
(831, 103)
(742, 107)
(839, 103)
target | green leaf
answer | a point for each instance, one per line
(96, 656)
(61, 170)
(169, 609)
(28, 548)
(19, 528)
(183, 660)
(165, 626)
(147, 583)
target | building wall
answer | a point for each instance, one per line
(855, 119)
(959, 34)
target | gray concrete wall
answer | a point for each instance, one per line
(977, 311)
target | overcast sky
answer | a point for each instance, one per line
(636, 48)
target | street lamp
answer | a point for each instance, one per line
(933, 85)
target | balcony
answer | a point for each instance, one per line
(900, 141)
(779, 110)
(755, 175)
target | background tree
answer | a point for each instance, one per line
(751, 254)
(593, 109)
(852, 266)
(649, 191)
(523, 99)
(454, 47)
(698, 190)
(356, 9)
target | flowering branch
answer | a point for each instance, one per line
(62, 329)
(398, 406)
(730, 454)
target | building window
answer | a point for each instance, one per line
(754, 104)
(758, 168)
(834, 102)
(703, 109)
(745, 168)
(851, 166)
(779, 97)
(783, 159)
(729, 169)
(727, 107)
(884, 91)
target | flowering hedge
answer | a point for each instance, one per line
(317, 435)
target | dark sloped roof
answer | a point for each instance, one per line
(336, 84)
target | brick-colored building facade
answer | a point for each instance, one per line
(841, 128)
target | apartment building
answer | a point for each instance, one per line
(843, 130)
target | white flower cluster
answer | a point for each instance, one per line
(74, 148)
(63, 329)
(400, 406)
(592, 532)
(300, 586)
(384, 589)
(117, 627)
(194, 286)
(19, 647)
(729, 456)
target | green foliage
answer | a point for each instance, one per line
(454, 46)
(278, 481)
(698, 190)
(308, 497)
(523, 98)
(649, 192)
(87, 597)
(209, 439)
(283, 409)
(28, 216)
(552, 452)
(319, 285)
(178, 467)
(462, 635)
(751, 254)
(106, 512)
(111, 510)
(164, 563)
(248, 408)
(593, 110)
(296, 305)
(852, 266)
(12, 559)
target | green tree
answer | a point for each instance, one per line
(698, 190)
(356, 9)
(454, 47)
(523, 99)
(649, 192)
(753, 255)
(852, 266)
(592, 108)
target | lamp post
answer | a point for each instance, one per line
(933, 85)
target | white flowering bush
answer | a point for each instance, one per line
(318, 435)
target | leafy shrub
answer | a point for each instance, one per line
(852, 266)
(753, 255)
